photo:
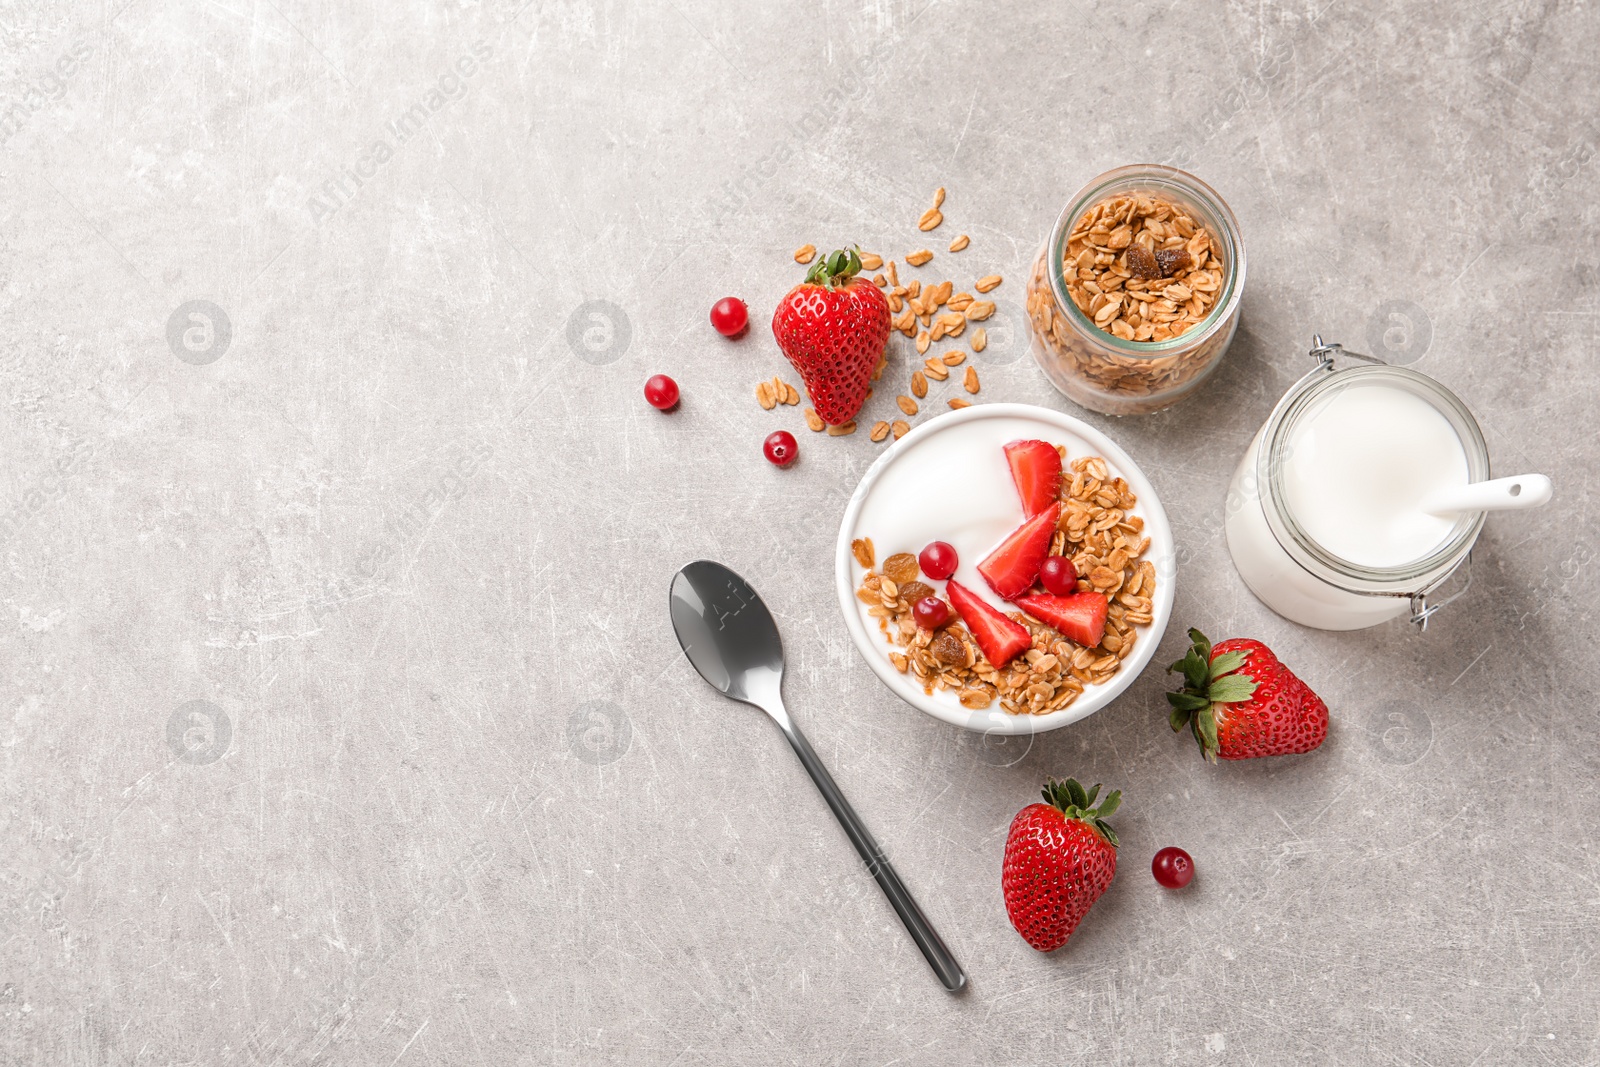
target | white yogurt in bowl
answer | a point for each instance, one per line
(948, 480)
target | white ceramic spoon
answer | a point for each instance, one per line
(1498, 494)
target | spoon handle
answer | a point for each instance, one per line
(1499, 494)
(922, 931)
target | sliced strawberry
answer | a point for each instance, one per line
(1078, 616)
(1036, 468)
(1001, 639)
(1011, 569)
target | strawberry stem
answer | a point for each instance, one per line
(836, 268)
(1069, 798)
(1208, 684)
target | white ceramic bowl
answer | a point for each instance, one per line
(947, 480)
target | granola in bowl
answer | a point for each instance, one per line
(950, 485)
(1100, 533)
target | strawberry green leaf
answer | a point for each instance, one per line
(1231, 689)
(1110, 804)
(1075, 791)
(1089, 803)
(1201, 645)
(1187, 701)
(1226, 663)
(1196, 672)
(1106, 832)
(1178, 718)
(1206, 722)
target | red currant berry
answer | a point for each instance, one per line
(781, 448)
(729, 316)
(939, 560)
(930, 612)
(662, 392)
(1172, 867)
(1058, 575)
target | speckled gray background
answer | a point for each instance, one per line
(342, 722)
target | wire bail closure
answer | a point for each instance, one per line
(1324, 353)
(1422, 611)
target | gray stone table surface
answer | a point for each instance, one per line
(342, 721)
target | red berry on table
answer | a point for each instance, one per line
(1079, 616)
(930, 612)
(1060, 856)
(1172, 867)
(1240, 702)
(999, 638)
(781, 448)
(661, 392)
(1011, 569)
(729, 316)
(1036, 470)
(834, 328)
(939, 560)
(1058, 575)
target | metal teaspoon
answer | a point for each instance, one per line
(730, 637)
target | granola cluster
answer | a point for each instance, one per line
(1105, 540)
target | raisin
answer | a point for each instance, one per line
(900, 568)
(1171, 261)
(1142, 262)
(948, 649)
(912, 592)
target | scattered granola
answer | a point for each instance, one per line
(805, 253)
(919, 257)
(960, 242)
(1100, 533)
(970, 382)
(770, 394)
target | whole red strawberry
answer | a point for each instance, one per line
(1241, 702)
(834, 327)
(1060, 856)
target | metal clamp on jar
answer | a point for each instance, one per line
(1363, 494)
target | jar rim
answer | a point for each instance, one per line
(1406, 579)
(1190, 187)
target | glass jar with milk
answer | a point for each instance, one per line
(1362, 494)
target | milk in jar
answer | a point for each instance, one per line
(1324, 515)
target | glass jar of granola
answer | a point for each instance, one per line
(1135, 296)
